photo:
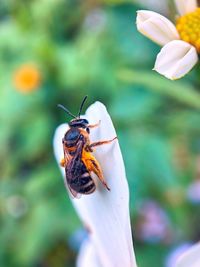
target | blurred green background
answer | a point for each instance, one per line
(57, 51)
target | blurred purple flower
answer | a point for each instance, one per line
(193, 192)
(152, 224)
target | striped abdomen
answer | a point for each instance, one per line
(79, 178)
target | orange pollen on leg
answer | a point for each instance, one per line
(188, 27)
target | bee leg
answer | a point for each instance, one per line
(97, 170)
(101, 143)
(62, 162)
(94, 125)
(93, 166)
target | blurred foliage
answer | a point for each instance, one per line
(78, 48)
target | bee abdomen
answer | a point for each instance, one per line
(87, 185)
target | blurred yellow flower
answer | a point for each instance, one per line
(27, 78)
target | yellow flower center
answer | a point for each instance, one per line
(188, 27)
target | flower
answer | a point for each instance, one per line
(152, 224)
(175, 254)
(87, 256)
(193, 192)
(190, 258)
(27, 78)
(181, 42)
(105, 213)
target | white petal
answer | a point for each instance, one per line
(87, 256)
(156, 27)
(190, 258)
(105, 213)
(186, 6)
(176, 59)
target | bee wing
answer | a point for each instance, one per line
(71, 163)
(66, 154)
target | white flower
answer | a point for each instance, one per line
(190, 258)
(176, 59)
(186, 6)
(105, 213)
(88, 256)
(175, 254)
(181, 43)
(156, 27)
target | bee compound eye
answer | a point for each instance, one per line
(87, 130)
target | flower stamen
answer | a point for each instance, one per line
(188, 27)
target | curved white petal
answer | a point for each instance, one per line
(156, 27)
(190, 258)
(186, 6)
(176, 59)
(87, 256)
(105, 213)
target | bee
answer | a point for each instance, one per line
(78, 161)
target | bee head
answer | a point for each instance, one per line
(79, 130)
(77, 122)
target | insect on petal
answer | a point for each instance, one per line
(105, 213)
(156, 27)
(176, 59)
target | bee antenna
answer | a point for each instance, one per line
(82, 104)
(66, 110)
